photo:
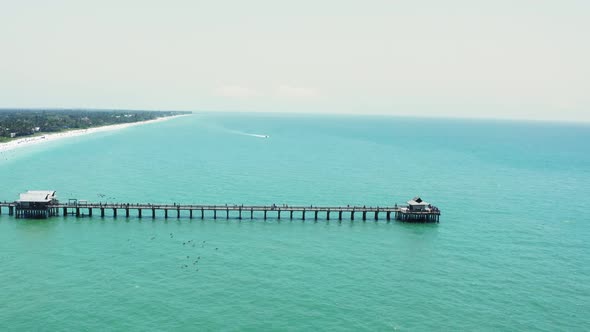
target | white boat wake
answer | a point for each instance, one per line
(248, 134)
(236, 132)
(257, 135)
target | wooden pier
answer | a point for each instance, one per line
(142, 210)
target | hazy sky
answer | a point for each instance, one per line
(500, 58)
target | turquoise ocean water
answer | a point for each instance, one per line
(511, 252)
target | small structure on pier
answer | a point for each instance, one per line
(418, 211)
(417, 204)
(36, 204)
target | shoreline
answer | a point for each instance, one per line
(49, 137)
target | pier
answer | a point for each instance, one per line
(49, 207)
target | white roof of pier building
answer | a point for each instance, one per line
(417, 201)
(37, 196)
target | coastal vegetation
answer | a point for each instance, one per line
(16, 123)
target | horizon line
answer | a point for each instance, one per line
(375, 114)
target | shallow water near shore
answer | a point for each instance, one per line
(510, 253)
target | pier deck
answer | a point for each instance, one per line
(227, 211)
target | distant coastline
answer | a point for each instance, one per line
(33, 140)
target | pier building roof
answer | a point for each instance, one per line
(417, 201)
(37, 196)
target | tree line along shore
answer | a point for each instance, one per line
(18, 123)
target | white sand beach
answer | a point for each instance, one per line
(27, 141)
